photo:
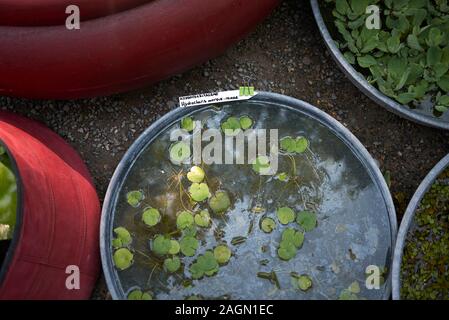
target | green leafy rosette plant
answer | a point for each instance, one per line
(407, 57)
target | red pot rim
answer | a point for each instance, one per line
(52, 12)
(58, 215)
(123, 51)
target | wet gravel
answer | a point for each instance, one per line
(285, 54)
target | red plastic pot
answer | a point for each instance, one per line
(122, 51)
(52, 12)
(57, 219)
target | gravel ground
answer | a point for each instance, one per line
(285, 55)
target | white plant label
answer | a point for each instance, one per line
(244, 93)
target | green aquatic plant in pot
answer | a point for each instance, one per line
(177, 229)
(8, 197)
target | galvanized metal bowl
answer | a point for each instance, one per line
(360, 82)
(378, 205)
(408, 222)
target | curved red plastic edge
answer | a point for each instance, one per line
(60, 215)
(122, 51)
(53, 12)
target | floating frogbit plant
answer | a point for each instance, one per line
(134, 198)
(172, 264)
(199, 191)
(285, 215)
(123, 258)
(184, 220)
(246, 122)
(262, 165)
(196, 174)
(351, 293)
(206, 264)
(222, 254)
(137, 294)
(179, 152)
(220, 202)
(291, 241)
(188, 124)
(302, 282)
(161, 245)
(151, 217)
(294, 145)
(267, 225)
(233, 126)
(307, 220)
(123, 238)
(174, 247)
(202, 219)
(407, 56)
(188, 245)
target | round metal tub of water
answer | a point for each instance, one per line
(417, 115)
(334, 177)
(408, 222)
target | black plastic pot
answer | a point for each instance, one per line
(408, 221)
(362, 84)
(367, 164)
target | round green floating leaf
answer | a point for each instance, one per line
(293, 236)
(301, 144)
(304, 282)
(285, 215)
(123, 258)
(172, 264)
(199, 191)
(161, 245)
(134, 197)
(231, 126)
(222, 254)
(135, 295)
(288, 144)
(202, 219)
(151, 217)
(139, 295)
(188, 124)
(189, 245)
(196, 174)
(307, 220)
(175, 247)
(346, 294)
(220, 202)
(354, 287)
(190, 231)
(246, 122)
(179, 152)
(287, 251)
(116, 243)
(206, 264)
(123, 238)
(196, 271)
(262, 165)
(147, 296)
(282, 176)
(184, 220)
(267, 225)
